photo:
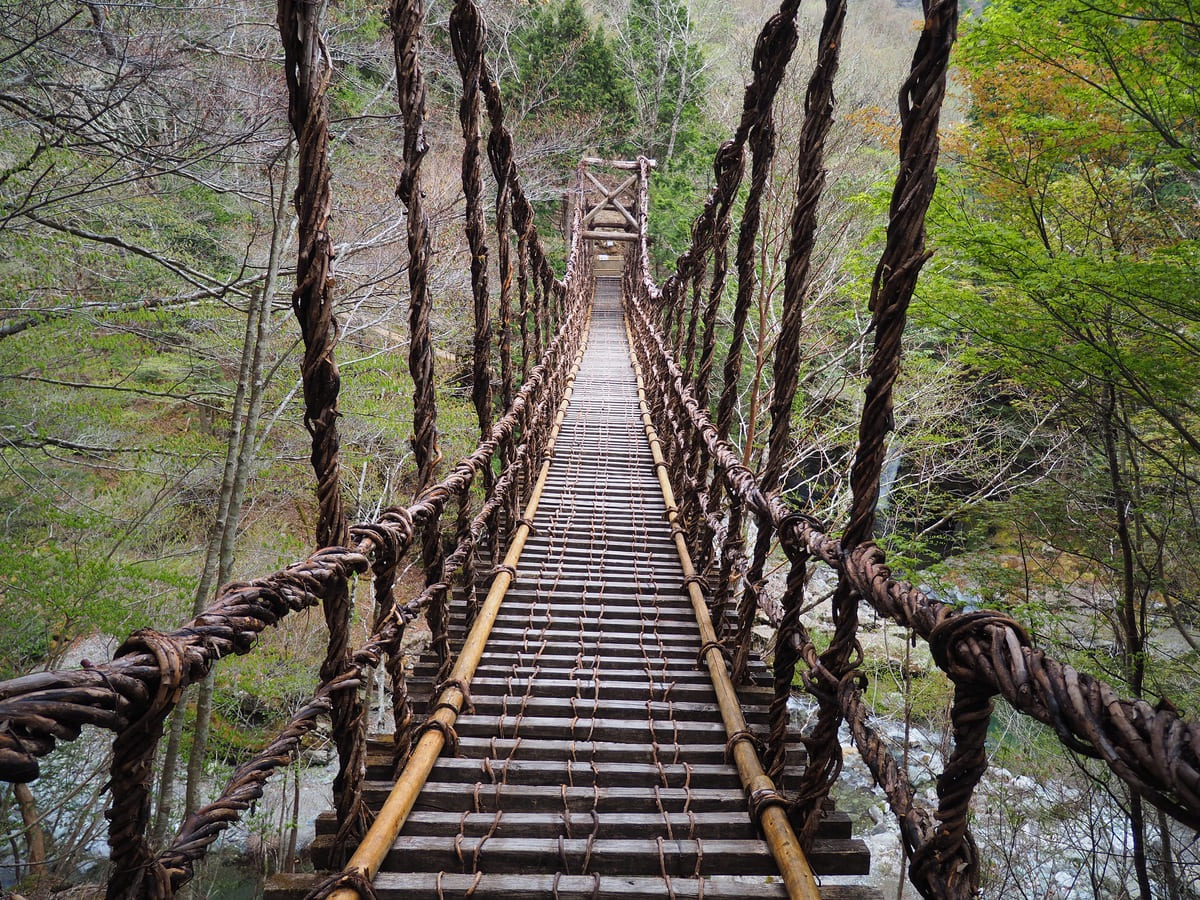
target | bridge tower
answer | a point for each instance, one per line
(610, 211)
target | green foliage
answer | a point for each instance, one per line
(258, 692)
(667, 69)
(61, 588)
(677, 192)
(1115, 317)
(107, 489)
(360, 83)
(1068, 255)
(1135, 57)
(186, 225)
(899, 690)
(355, 23)
(667, 65)
(566, 69)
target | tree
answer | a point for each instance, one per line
(135, 177)
(217, 570)
(99, 117)
(1069, 241)
(566, 74)
(660, 47)
(1138, 55)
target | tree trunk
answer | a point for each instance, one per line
(200, 732)
(681, 95)
(289, 853)
(35, 838)
(204, 590)
(211, 577)
(239, 461)
(165, 802)
(1137, 822)
(1132, 639)
(219, 548)
(760, 362)
(1170, 876)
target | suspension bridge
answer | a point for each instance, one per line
(591, 718)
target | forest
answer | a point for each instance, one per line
(1045, 460)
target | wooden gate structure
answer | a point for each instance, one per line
(610, 205)
(591, 718)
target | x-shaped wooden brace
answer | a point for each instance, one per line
(610, 200)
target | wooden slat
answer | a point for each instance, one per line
(703, 825)
(379, 753)
(554, 666)
(587, 728)
(618, 857)
(603, 710)
(678, 857)
(585, 773)
(549, 686)
(555, 799)
(455, 886)
(550, 662)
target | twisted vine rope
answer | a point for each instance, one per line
(406, 18)
(308, 70)
(467, 39)
(824, 749)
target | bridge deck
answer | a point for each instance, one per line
(594, 761)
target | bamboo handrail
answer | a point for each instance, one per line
(379, 838)
(781, 838)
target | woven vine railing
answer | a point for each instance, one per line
(984, 653)
(133, 694)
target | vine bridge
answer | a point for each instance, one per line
(591, 719)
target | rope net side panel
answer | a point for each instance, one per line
(1155, 751)
(132, 694)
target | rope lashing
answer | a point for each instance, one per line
(354, 879)
(445, 729)
(744, 735)
(463, 687)
(792, 538)
(714, 644)
(760, 798)
(528, 523)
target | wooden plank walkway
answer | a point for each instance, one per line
(593, 764)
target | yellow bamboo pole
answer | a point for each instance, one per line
(383, 831)
(781, 838)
